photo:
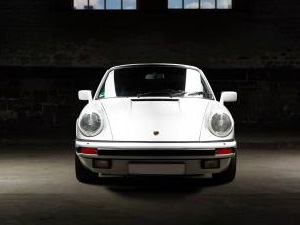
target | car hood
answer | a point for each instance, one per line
(156, 119)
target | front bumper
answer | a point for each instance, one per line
(122, 154)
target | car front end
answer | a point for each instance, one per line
(173, 130)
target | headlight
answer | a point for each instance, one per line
(220, 124)
(90, 124)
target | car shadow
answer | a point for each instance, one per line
(145, 184)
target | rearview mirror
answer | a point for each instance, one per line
(85, 95)
(228, 96)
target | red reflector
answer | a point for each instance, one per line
(223, 151)
(87, 150)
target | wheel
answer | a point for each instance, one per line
(227, 175)
(84, 175)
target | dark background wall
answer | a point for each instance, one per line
(49, 51)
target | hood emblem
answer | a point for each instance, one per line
(156, 133)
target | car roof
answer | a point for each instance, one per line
(153, 64)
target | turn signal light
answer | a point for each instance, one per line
(223, 151)
(87, 150)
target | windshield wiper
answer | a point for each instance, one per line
(169, 92)
(188, 93)
(173, 93)
(193, 93)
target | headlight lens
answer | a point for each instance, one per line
(90, 124)
(220, 124)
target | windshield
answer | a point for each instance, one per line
(145, 81)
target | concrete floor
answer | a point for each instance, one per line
(38, 186)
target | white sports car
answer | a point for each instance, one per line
(155, 119)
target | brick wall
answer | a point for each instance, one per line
(256, 34)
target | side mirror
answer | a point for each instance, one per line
(85, 95)
(228, 96)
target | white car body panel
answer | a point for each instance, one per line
(174, 119)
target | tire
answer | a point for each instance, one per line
(227, 175)
(84, 175)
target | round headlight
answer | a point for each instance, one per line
(220, 124)
(90, 124)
